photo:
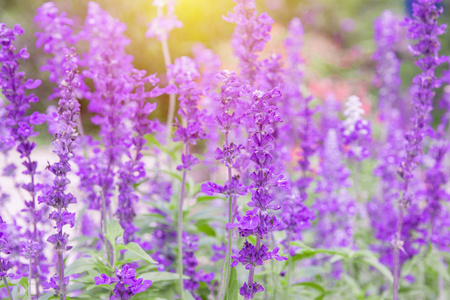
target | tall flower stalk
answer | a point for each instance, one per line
(133, 169)
(160, 28)
(184, 71)
(228, 119)
(249, 37)
(57, 35)
(387, 75)
(63, 145)
(296, 109)
(258, 222)
(423, 28)
(110, 68)
(13, 85)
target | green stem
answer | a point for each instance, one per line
(62, 288)
(219, 293)
(29, 278)
(168, 62)
(228, 263)
(7, 288)
(230, 215)
(290, 264)
(104, 230)
(180, 230)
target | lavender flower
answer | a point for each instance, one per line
(387, 76)
(126, 283)
(64, 144)
(335, 207)
(209, 66)
(108, 100)
(5, 265)
(424, 28)
(437, 214)
(56, 36)
(259, 222)
(160, 28)
(355, 130)
(190, 263)
(183, 72)
(299, 124)
(133, 170)
(228, 119)
(13, 85)
(250, 36)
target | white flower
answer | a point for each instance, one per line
(352, 113)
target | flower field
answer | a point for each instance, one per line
(272, 153)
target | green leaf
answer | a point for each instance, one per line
(232, 292)
(113, 231)
(351, 282)
(24, 283)
(313, 285)
(152, 140)
(201, 199)
(80, 265)
(172, 174)
(308, 252)
(188, 296)
(161, 276)
(46, 297)
(2, 284)
(372, 260)
(135, 250)
(204, 227)
(363, 255)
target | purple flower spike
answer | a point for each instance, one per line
(250, 36)
(64, 144)
(126, 285)
(423, 28)
(249, 292)
(57, 35)
(387, 76)
(20, 128)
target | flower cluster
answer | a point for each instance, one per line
(335, 207)
(356, 131)
(5, 265)
(255, 136)
(387, 76)
(250, 36)
(64, 144)
(425, 29)
(190, 262)
(110, 75)
(126, 285)
(20, 127)
(57, 35)
(437, 213)
(184, 71)
(133, 170)
(296, 215)
(259, 222)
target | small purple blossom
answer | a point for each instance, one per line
(126, 283)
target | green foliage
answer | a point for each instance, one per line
(232, 291)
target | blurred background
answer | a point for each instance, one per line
(338, 39)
